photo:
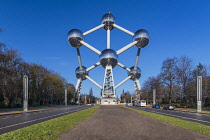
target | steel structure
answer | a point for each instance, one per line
(108, 58)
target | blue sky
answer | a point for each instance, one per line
(38, 29)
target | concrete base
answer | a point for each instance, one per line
(199, 106)
(108, 101)
(25, 105)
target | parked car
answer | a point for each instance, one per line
(156, 106)
(168, 107)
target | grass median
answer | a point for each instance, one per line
(49, 130)
(177, 122)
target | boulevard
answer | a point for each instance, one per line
(202, 118)
(15, 122)
(116, 122)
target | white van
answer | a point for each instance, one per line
(141, 103)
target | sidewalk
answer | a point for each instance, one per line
(115, 122)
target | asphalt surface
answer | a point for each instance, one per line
(13, 121)
(202, 118)
(115, 122)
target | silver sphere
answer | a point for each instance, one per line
(108, 20)
(74, 38)
(81, 73)
(142, 36)
(135, 74)
(108, 57)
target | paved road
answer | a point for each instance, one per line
(19, 121)
(201, 118)
(115, 122)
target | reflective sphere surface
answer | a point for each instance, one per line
(74, 38)
(135, 74)
(108, 57)
(81, 73)
(108, 19)
(142, 36)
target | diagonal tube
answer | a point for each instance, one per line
(126, 47)
(93, 82)
(123, 66)
(94, 29)
(123, 81)
(123, 29)
(90, 47)
(93, 66)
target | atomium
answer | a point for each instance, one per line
(142, 36)
(74, 38)
(108, 20)
(108, 57)
(135, 74)
(81, 73)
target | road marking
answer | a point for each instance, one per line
(176, 116)
(40, 119)
(179, 116)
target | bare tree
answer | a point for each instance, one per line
(183, 72)
(153, 83)
(168, 74)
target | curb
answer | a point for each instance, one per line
(20, 112)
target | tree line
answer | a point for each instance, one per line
(177, 83)
(45, 86)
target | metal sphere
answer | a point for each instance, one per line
(74, 38)
(81, 73)
(135, 74)
(108, 57)
(108, 20)
(142, 36)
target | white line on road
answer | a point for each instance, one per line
(179, 116)
(40, 119)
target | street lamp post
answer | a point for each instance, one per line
(25, 93)
(85, 99)
(154, 96)
(199, 93)
(131, 101)
(66, 97)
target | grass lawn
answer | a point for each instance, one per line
(203, 108)
(206, 108)
(177, 122)
(49, 130)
